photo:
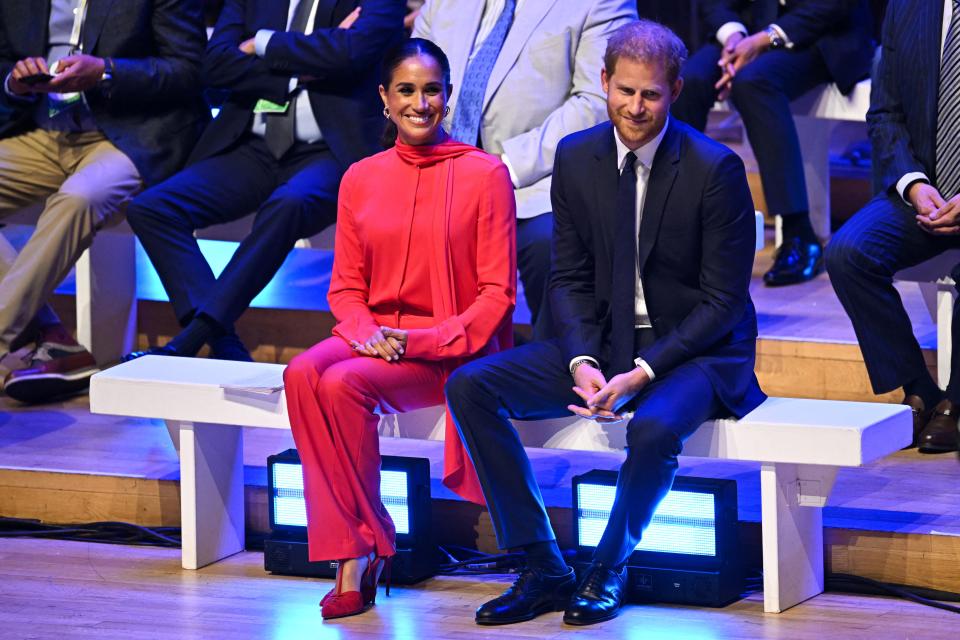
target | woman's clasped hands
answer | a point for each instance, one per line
(386, 342)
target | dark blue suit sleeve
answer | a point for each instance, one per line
(226, 67)
(333, 52)
(174, 71)
(893, 154)
(571, 289)
(728, 239)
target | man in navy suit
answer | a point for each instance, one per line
(763, 54)
(914, 124)
(653, 246)
(103, 97)
(301, 84)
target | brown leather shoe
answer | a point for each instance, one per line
(921, 416)
(940, 434)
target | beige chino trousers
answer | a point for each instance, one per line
(86, 183)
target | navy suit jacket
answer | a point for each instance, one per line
(840, 29)
(696, 247)
(902, 119)
(152, 110)
(345, 65)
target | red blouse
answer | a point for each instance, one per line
(426, 242)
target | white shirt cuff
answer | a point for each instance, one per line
(787, 42)
(513, 174)
(640, 362)
(261, 40)
(592, 361)
(905, 181)
(728, 29)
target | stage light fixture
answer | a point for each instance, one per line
(404, 491)
(689, 552)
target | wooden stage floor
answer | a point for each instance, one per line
(62, 590)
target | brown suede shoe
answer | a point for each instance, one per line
(940, 434)
(921, 416)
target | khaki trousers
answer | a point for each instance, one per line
(86, 183)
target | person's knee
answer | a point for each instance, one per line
(301, 370)
(150, 209)
(462, 383)
(749, 87)
(845, 254)
(653, 436)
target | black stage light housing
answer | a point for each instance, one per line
(405, 492)
(690, 552)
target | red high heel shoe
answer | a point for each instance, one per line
(340, 604)
(371, 577)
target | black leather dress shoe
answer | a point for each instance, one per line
(796, 261)
(921, 416)
(598, 597)
(150, 351)
(940, 434)
(532, 593)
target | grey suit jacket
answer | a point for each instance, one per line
(545, 85)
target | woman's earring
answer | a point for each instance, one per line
(386, 113)
(446, 111)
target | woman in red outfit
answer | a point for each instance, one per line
(424, 278)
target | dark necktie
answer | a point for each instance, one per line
(948, 112)
(624, 289)
(282, 127)
(469, 109)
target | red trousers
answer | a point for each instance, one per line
(332, 394)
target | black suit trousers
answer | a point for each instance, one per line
(293, 198)
(862, 258)
(762, 92)
(532, 382)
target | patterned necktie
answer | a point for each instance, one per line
(282, 127)
(624, 289)
(469, 110)
(948, 112)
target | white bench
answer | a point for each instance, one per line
(800, 443)
(816, 114)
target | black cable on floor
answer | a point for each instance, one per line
(929, 597)
(103, 532)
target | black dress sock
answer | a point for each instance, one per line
(797, 225)
(546, 557)
(200, 330)
(927, 390)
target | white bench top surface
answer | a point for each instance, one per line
(788, 430)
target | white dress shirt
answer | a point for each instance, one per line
(642, 166)
(913, 176)
(729, 28)
(306, 128)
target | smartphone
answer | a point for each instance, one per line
(37, 78)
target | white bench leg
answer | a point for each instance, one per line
(815, 145)
(946, 294)
(107, 296)
(792, 498)
(211, 492)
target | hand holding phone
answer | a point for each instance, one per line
(32, 69)
(36, 78)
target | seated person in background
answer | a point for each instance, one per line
(123, 109)
(301, 108)
(914, 125)
(525, 74)
(795, 46)
(649, 290)
(424, 278)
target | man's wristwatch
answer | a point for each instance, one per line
(776, 40)
(576, 363)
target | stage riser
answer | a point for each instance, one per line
(920, 560)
